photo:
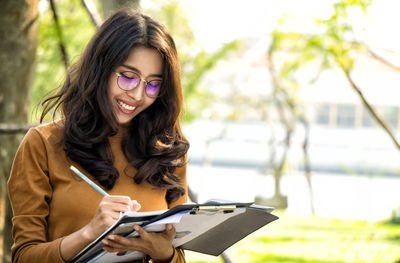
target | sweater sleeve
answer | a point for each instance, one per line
(30, 194)
(179, 256)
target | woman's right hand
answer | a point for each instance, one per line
(108, 212)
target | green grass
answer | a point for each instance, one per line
(294, 239)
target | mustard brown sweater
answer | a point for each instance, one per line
(50, 202)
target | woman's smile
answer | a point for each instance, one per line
(126, 107)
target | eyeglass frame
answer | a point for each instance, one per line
(140, 81)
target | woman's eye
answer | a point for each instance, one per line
(128, 75)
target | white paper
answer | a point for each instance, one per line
(158, 226)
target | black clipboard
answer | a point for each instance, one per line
(232, 222)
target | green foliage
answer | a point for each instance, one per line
(335, 44)
(203, 62)
(292, 53)
(395, 219)
(195, 63)
(50, 70)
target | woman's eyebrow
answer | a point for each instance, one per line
(140, 73)
(132, 68)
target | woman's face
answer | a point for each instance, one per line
(146, 64)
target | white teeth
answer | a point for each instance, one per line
(125, 106)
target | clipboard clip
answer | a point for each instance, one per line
(213, 208)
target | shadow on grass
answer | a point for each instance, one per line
(395, 238)
(271, 258)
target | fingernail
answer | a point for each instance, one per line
(135, 203)
(169, 227)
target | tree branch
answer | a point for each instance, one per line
(382, 60)
(307, 164)
(92, 11)
(291, 105)
(59, 35)
(7, 128)
(278, 168)
(370, 108)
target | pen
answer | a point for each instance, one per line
(95, 186)
(81, 175)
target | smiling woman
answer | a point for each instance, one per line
(127, 94)
(120, 108)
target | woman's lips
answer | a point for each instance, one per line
(126, 107)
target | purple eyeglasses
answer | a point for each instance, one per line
(129, 80)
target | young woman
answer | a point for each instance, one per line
(120, 108)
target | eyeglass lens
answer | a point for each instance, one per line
(132, 81)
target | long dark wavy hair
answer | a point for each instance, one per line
(154, 143)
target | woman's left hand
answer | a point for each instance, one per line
(157, 245)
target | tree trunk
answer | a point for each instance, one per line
(18, 42)
(110, 6)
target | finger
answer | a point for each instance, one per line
(114, 207)
(114, 244)
(135, 205)
(121, 208)
(112, 249)
(115, 216)
(142, 233)
(108, 249)
(107, 214)
(170, 231)
(107, 245)
(121, 199)
(119, 241)
(125, 202)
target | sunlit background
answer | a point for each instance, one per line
(276, 112)
(354, 162)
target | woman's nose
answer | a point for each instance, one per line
(139, 92)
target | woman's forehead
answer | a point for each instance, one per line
(144, 60)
